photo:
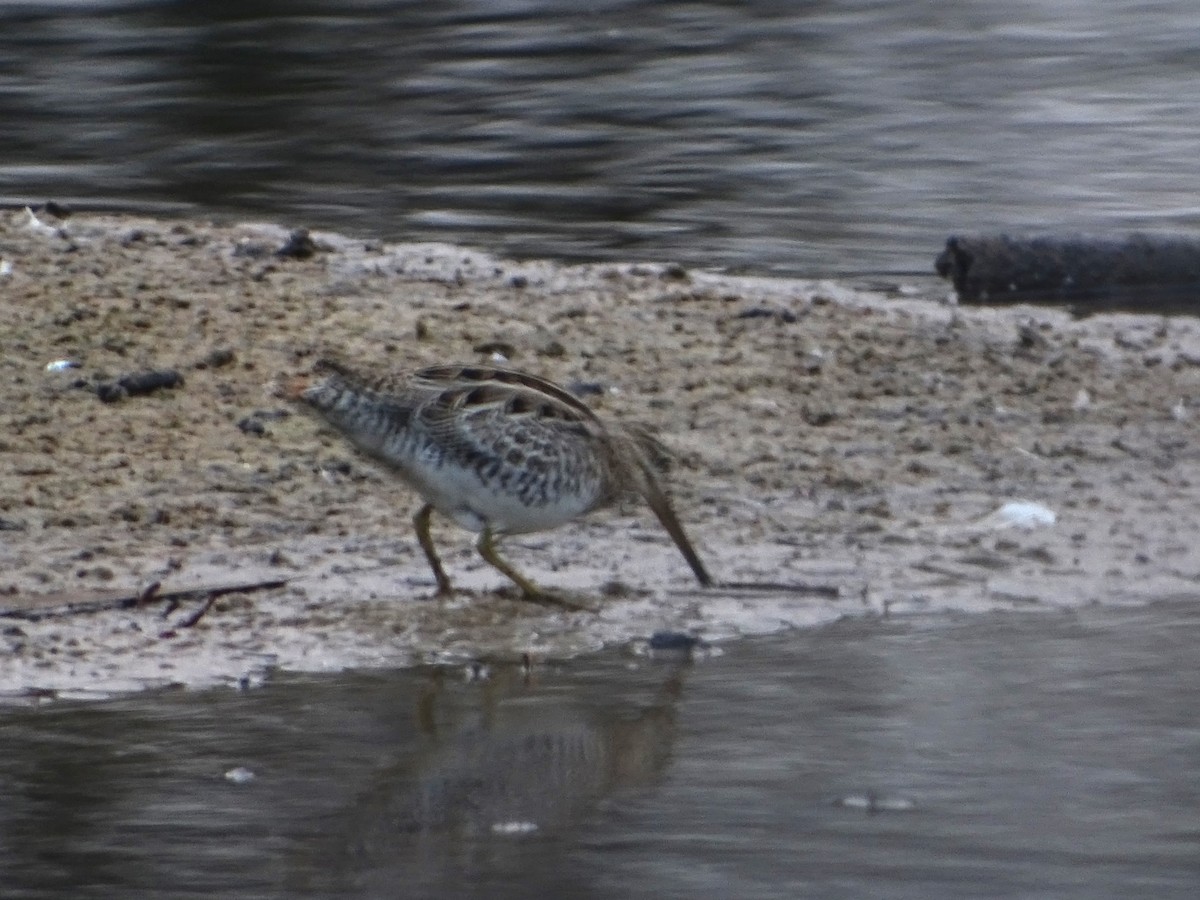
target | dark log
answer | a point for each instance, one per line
(1135, 272)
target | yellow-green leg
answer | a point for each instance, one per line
(421, 523)
(486, 545)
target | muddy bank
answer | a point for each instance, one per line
(853, 438)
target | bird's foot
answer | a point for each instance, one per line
(533, 594)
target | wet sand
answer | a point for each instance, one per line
(855, 439)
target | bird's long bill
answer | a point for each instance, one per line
(661, 504)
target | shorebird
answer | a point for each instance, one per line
(497, 450)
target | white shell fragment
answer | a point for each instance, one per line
(1021, 514)
(61, 365)
(37, 226)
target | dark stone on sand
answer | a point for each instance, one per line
(299, 245)
(217, 359)
(1135, 272)
(56, 209)
(256, 422)
(138, 384)
(587, 388)
(111, 391)
(765, 312)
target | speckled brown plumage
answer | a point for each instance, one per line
(497, 450)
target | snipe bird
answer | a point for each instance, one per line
(497, 450)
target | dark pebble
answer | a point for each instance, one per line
(111, 391)
(504, 348)
(337, 466)
(765, 312)
(672, 640)
(299, 245)
(138, 384)
(586, 388)
(217, 359)
(256, 422)
(148, 382)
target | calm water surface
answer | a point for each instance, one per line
(816, 136)
(1032, 755)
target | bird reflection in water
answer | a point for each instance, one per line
(528, 764)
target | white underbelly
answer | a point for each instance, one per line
(462, 496)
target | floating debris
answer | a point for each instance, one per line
(240, 775)
(514, 828)
(251, 681)
(6, 268)
(873, 803)
(476, 671)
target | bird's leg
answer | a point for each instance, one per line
(486, 545)
(421, 523)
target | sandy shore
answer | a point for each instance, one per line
(855, 440)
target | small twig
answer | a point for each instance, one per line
(148, 593)
(190, 620)
(35, 607)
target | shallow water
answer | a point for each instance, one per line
(1032, 755)
(811, 138)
